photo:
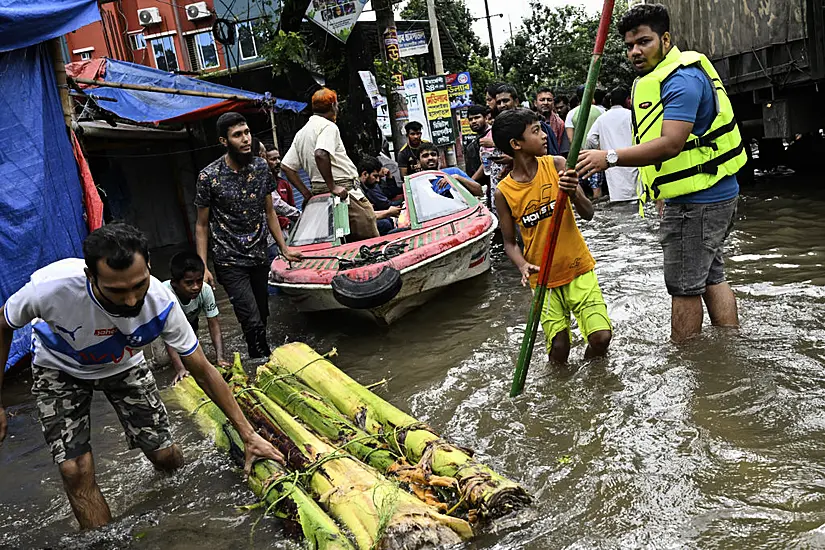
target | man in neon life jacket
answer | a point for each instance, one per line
(688, 149)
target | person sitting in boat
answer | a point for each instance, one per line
(429, 159)
(389, 185)
(390, 173)
(527, 197)
(408, 156)
(386, 211)
(194, 297)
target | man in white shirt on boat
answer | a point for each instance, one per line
(319, 150)
(89, 321)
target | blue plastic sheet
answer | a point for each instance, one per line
(24, 23)
(142, 106)
(40, 193)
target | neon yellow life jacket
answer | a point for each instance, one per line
(705, 159)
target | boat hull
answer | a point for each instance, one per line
(420, 282)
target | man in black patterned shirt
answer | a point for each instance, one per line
(234, 200)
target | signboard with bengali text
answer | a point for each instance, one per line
(460, 90)
(413, 43)
(415, 105)
(437, 107)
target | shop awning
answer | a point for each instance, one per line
(188, 99)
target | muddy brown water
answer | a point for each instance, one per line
(716, 444)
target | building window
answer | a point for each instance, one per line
(85, 56)
(166, 58)
(247, 40)
(202, 51)
(137, 41)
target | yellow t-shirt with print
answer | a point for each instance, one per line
(532, 206)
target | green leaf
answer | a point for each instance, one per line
(458, 20)
(553, 48)
(284, 48)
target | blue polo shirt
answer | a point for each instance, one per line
(687, 96)
(455, 171)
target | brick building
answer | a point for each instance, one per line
(171, 35)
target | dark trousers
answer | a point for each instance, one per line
(385, 226)
(247, 290)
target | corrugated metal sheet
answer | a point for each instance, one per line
(721, 28)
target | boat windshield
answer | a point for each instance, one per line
(315, 224)
(431, 203)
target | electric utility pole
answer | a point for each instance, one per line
(388, 37)
(490, 31)
(439, 65)
(435, 39)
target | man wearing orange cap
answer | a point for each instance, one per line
(319, 150)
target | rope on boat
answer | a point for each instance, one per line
(370, 255)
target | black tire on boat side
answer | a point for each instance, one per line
(367, 294)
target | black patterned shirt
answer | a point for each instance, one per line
(237, 210)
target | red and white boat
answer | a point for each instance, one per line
(445, 239)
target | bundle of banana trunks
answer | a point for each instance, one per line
(359, 472)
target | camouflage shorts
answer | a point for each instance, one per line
(64, 403)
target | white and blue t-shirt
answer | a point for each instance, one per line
(73, 333)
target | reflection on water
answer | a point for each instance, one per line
(716, 444)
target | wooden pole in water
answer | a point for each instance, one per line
(562, 201)
(66, 103)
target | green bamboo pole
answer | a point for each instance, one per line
(481, 488)
(277, 489)
(327, 421)
(377, 513)
(533, 318)
(323, 418)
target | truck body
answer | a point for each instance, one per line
(770, 55)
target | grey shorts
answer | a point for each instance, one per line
(693, 237)
(64, 403)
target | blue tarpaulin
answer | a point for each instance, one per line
(24, 23)
(40, 194)
(144, 106)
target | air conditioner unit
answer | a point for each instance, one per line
(196, 11)
(149, 16)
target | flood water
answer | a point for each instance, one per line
(716, 444)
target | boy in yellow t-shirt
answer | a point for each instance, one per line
(526, 197)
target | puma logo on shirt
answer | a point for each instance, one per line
(69, 332)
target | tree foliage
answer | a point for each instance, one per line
(458, 20)
(481, 73)
(471, 53)
(554, 45)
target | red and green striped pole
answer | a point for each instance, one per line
(529, 340)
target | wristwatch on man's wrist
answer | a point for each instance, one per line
(612, 158)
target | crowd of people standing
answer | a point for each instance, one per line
(90, 316)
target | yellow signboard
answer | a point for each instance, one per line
(437, 104)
